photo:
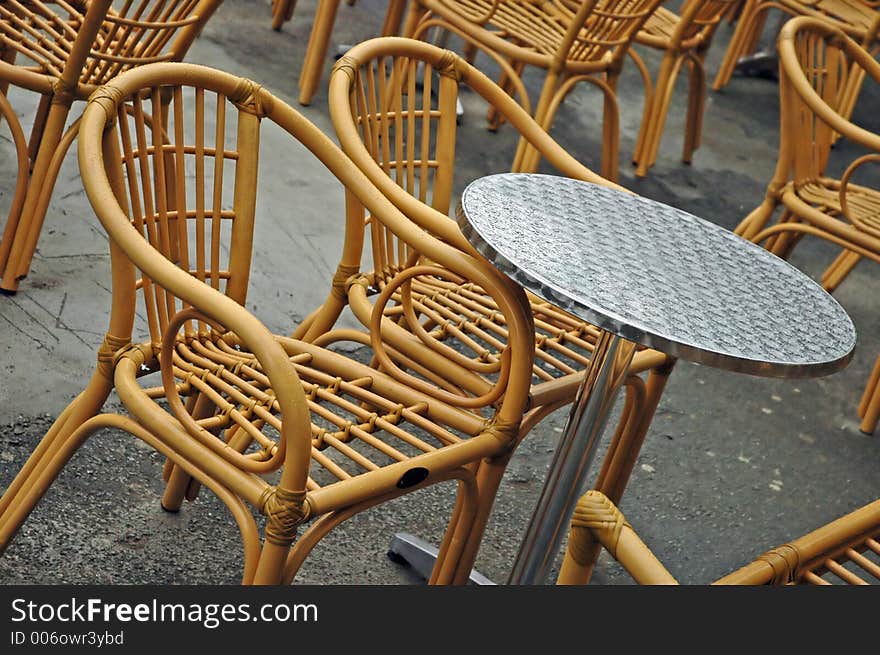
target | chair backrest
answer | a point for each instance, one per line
(188, 167)
(816, 62)
(599, 27)
(393, 106)
(174, 182)
(90, 43)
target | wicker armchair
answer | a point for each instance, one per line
(683, 39)
(169, 156)
(63, 50)
(858, 18)
(571, 41)
(844, 551)
(392, 103)
(816, 63)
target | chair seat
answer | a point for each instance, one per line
(824, 194)
(361, 420)
(468, 316)
(536, 26)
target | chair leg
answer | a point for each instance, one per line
(393, 17)
(746, 27)
(598, 522)
(494, 118)
(623, 452)
(282, 11)
(843, 264)
(414, 16)
(462, 515)
(851, 90)
(783, 243)
(179, 485)
(555, 90)
(523, 157)
(21, 183)
(693, 130)
(617, 466)
(7, 55)
(647, 106)
(610, 129)
(316, 51)
(50, 456)
(663, 90)
(869, 406)
(455, 565)
(53, 147)
(751, 225)
(39, 126)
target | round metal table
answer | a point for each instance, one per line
(651, 275)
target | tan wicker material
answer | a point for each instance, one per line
(858, 18)
(406, 146)
(169, 157)
(63, 50)
(845, 551)
(571, 41)
(817, 61)
(684, 40)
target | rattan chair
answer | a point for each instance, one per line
(816, 62)
(845, 551)
(63, 50)
(392, 104)
(858, 18)
(571, 41)
(169, 157)
(684, 40)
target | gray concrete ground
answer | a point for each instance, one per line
(733, 464)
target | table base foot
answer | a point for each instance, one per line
(420, 556)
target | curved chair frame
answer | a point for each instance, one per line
(237, 403)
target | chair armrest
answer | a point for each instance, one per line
(295, 442)
(855, 219)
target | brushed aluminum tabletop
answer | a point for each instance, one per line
(656, 275)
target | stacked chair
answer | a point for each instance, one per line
(817, 64)
(63, 51)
